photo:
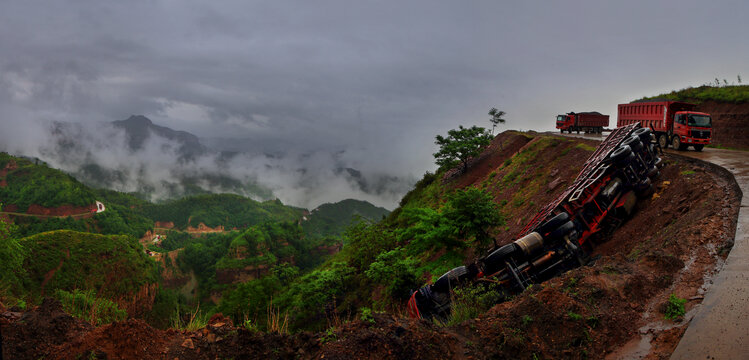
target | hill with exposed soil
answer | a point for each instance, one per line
(668, 250)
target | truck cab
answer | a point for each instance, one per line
(565, 122)
(691, 128)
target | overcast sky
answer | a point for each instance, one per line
(377, 79)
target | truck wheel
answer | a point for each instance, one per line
(653, 172)
(676, 143)
(561, 131)
(644, 135)
(699, 147)
(634, 143)
(620, 153)
(565, 229)
(663, 141)
(553, 223)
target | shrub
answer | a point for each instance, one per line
(395, 271)
(85, 305)
(674, 307)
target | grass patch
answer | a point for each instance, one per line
(85, 305)
(687, 172)
(585, 147)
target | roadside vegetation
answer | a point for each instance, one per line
(722, 93)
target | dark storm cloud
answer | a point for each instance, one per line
(376, 79)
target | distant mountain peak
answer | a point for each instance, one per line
(138, 128)
(138, 120)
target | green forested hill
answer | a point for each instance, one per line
(333, 219)
(228, 210)
(112, 266)
(29, 183)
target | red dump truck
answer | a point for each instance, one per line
(590, 122)
(673, 123)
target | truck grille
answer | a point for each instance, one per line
(701, 134)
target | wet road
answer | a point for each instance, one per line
(720, 327)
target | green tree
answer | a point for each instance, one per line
(460, 146)
(496, 119)
(473, 212)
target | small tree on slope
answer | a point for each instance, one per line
(496, 119)
(460, 145)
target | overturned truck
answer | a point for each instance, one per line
(562, 235)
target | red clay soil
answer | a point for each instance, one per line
(502, 147)
(730, 123)
(64, 210)
(672, 244)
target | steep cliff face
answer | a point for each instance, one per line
(730, 123)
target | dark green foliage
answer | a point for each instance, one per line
(38, 184)
(470, 301)
(250, 300)
(112, 266)
(175, 240)
(85, 305)
(736, 94)
(230, 211)
(165, 305)
(314, 293)
(396, 272)
(11, 258)
(427, 229)
(333, 219)
(467, 215)
(473, 212)
(460, 145)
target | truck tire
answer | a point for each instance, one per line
(495, 261)
(561, 131)
(644, 134)
(676, 143)
(663, 141)
(553, 223)
(698, 147)
(634, 143)
(620, 153)
(565, 229)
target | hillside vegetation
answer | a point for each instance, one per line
(28, 183)
(727, 94)
(333, 219)
(227, 210)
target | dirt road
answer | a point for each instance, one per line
(720, 329)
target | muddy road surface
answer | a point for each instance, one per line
(720, 328)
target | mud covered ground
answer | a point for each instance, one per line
(612, 308)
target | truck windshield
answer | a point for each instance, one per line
(700, 120)
(561, 118)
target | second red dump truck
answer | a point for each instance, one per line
(673, 123)
(589, 122)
